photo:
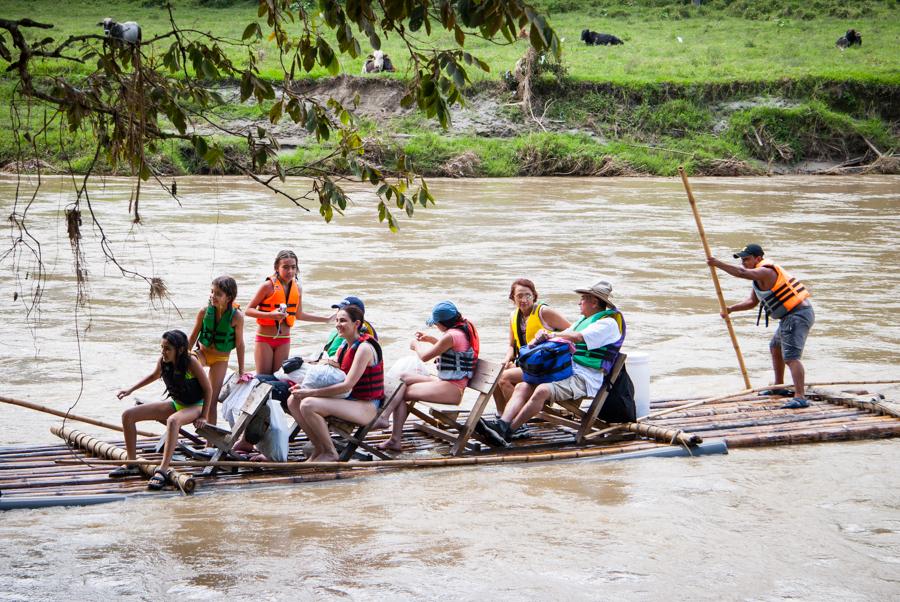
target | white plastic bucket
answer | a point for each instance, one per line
(638, 366)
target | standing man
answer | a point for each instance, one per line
(783, 298)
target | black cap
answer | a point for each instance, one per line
(751, 249)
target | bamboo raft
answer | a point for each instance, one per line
(75, 472)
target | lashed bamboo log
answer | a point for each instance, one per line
(877, 407)
(663, 434)
(69, 416)
(100, 448)
(421, 462)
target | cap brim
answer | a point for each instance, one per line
(430, 322)
(583, 291)
(741, 255)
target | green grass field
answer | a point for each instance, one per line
(717, 46)
(652, 103)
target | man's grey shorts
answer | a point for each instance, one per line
(792, 331)
(573, 387)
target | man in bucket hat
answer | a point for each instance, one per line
(784, 298)
(597, 337)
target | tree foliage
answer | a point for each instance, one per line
(131, 98)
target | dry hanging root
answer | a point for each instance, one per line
(73, 228)
(524, 72)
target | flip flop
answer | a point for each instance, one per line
(158, 480)
(129, 470)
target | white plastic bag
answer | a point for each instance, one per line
(231, 406)
(323, 375)
(410, 364)
(274, 443)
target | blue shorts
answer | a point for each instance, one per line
(792, 332)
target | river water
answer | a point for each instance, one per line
(811, 522)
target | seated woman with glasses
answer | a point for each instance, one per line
(529, 317)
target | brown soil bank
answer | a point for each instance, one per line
(721, 129)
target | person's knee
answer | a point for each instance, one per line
(173, 422)
(128, 416)
(310, 406)
(542, 392)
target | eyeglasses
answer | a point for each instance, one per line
(523, 297)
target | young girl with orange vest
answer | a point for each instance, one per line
(276, 306)
(218, 329)
(360, 358)
(456, 352)
(191, 393)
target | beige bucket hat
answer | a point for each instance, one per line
(602, 289)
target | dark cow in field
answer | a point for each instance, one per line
(592, 38)
(852, 37)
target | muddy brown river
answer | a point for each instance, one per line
(812, 522)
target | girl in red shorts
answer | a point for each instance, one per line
(276, 306)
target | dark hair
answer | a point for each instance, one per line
(285, 254)
(522, 282)
(460, 323)
(227, 285)
(355, 313)
(174, 374)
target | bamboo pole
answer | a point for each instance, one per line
(100, 448)
(421, 462)
(72, 417)
(715, 277)
(874, 406)
(699, 402)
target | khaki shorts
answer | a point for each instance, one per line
(573, 387)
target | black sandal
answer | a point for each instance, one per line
(129, 470)
(158, 480)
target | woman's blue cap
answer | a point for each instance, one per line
(445, 310)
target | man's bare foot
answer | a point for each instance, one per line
(326, 458)
(390, 445)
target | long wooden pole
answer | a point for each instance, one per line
(70, 416)
(715, 277)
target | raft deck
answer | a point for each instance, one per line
(60, 475)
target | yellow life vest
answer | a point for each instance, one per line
(532, 325)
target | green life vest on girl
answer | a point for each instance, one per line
(218, 334)
(603, 357)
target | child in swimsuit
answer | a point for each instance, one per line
(218, 329)
(276, 305)
(191, 393)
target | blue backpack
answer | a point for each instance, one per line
(546, 362)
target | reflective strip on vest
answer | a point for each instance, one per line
(278, 298)
(456, 365)
(786, 294)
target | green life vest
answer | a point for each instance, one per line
(603, 357)
(219, 335)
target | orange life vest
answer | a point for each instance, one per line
(277, 298)
(786, 294)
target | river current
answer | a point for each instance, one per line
(809, 522)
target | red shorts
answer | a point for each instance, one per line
(273, 342)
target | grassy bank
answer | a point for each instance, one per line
(727, 87)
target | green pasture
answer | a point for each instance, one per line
(718, 43)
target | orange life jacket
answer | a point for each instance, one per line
(786, 294)
(277, 298)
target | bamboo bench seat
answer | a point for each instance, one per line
(441, 421)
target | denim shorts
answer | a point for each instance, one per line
(792, 332)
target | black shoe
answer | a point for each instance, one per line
(490, 433)
(523, 432)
